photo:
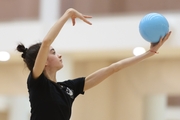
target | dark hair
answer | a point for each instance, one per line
(29, 54)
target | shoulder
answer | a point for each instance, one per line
(76, 85)
(32, 81)
(30, 77)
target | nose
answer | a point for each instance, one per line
(59, 56)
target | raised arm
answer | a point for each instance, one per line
(50, 37)
(101, 74)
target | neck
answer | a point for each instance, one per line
(50, 75)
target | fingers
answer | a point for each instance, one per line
(87, 16)
(156, 46)
(73, 21)
(163, 39)
(167, 35)
(75, 14)
(87, 22)
(83, 17)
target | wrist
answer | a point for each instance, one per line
(152, 52)
(70, 11)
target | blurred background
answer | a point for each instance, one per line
(148, 90)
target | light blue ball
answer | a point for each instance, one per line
(153, 26)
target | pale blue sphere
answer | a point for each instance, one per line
(153, 26)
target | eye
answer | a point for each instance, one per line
(54, 52)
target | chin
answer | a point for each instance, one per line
(60, 67)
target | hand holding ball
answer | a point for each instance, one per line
(153, 26)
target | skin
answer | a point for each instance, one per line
(49, 62)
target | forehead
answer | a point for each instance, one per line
(50, 48)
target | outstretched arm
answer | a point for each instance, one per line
(50, 37)
(101, 74)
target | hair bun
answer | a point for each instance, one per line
(21, 48)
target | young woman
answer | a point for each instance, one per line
(52, 100)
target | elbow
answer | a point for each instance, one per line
(115, 68)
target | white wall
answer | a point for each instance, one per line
(107, 32)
